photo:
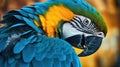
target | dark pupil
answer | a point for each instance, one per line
(86, 21)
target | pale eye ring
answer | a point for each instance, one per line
(86, 22)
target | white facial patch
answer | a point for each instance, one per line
(69, 30)
(80, 25)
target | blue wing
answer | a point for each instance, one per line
(37, 50)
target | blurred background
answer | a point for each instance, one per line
(109, 53)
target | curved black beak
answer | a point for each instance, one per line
(89, 44)
(92, 44)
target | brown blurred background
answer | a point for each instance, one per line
(109, 53)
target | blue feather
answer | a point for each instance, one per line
(31, 23)
(20, 63)
(3, 43)
(11, 60)
(28, 53)
(29, 10)
(40, 37)
(16, 25)
(31, 15)
(57, 63)
(36, 18)
(35, 63)
(41, 9)
(12, 64)
(13, 26)
(34, 40)
(61, 57)
(27, 32)
(38, 10)
(18, 17)
(1, 61)
(48, 62)
(40, 56)
(69, 57)
(75, 62)
(17, 56)
(5, 63)
(63, 64)
(21, 44)
(68, 61)
(23, 12)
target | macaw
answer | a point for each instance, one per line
(43, 34)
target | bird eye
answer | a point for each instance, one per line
(86, 22)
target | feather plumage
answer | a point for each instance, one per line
(25, 41)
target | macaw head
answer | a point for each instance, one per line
(82, 33)
(83, 26)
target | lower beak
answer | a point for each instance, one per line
(89, 44)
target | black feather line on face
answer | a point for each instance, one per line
(82, 26)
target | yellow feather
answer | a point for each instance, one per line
(36, 23)
(54, 15)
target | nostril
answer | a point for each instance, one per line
(99, 33)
